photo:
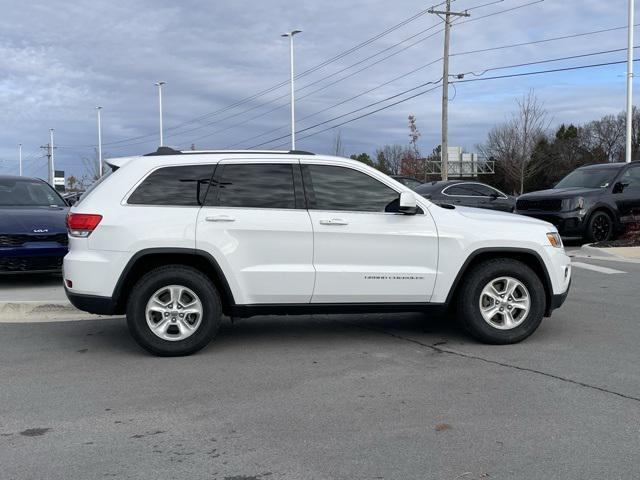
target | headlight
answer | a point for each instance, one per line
(571, 204)
(554, 239)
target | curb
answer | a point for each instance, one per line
(596, 252)
(41, 311)
(605, 254)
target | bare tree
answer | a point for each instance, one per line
(338, 147)
(606, 136)
(389, 159)
(512, 143)
(91, 168)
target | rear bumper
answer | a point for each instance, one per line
(92, 303)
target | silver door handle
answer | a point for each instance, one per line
(334, 221)
(220, 218)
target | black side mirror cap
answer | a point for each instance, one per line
(619, 187)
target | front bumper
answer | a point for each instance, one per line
(37, 258)
(557, 301)
(569, 224)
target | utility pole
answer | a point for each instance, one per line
(444, 146)
(293, 94)
(20, 159)
(99, 109)
(628, 152)
(48, 148)
(52, 167)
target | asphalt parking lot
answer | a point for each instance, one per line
(393, 396)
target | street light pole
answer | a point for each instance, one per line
(628, 152)
(20, 159)
(99, 109)
(293, 94)
(159, 85)
(52, 165)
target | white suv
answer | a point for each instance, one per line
(175, 239)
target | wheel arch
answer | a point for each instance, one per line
(606, 208)
(531, 258)
(148, 259)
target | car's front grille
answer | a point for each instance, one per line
(548, 205)
(29, 264)
(19, 240)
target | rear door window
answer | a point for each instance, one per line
(255, 185)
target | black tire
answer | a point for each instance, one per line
(599, 227)
(150, 283)
(468, 303)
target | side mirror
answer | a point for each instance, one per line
(494, 195)
(408, 203)
(619, 187)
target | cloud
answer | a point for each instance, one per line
(62, 58)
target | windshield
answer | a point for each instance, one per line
(18, 192)
(589, 178)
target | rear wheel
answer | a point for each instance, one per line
(173, 311)
(600, 227)
(501, 301)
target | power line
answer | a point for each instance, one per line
(417, 69)
(571, 57)
(119, 143)
(544, 40)
(362, 61)
(266, 91)
(540, 72)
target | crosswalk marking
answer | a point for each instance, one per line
(596, 268)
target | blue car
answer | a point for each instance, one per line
(33, 233)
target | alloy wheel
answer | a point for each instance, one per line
(505, 303)
(174, 312)
(601, 228)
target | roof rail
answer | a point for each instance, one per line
(172, 151)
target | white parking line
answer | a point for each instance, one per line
(596, 268)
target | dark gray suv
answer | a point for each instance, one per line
(592, 202)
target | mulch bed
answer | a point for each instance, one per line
(630, 238)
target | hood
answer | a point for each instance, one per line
(495, 215)
(561, 193)
(33, 220)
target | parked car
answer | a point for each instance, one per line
(410, 182)
(467, 193)
(591, 202)
(33, 234)
(175, 239)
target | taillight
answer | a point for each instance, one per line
(82, 224)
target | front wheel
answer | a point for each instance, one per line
(599, 227)
(501, 301)
(173, 311)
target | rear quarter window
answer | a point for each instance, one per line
(178, 186)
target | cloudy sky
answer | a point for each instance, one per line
(59, 59)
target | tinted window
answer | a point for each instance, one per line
(632, 176)
(589, 178)
(460, 189)
(339, 188)
(185, 186)
(470, 189)
(17, 192)
(256, 186)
